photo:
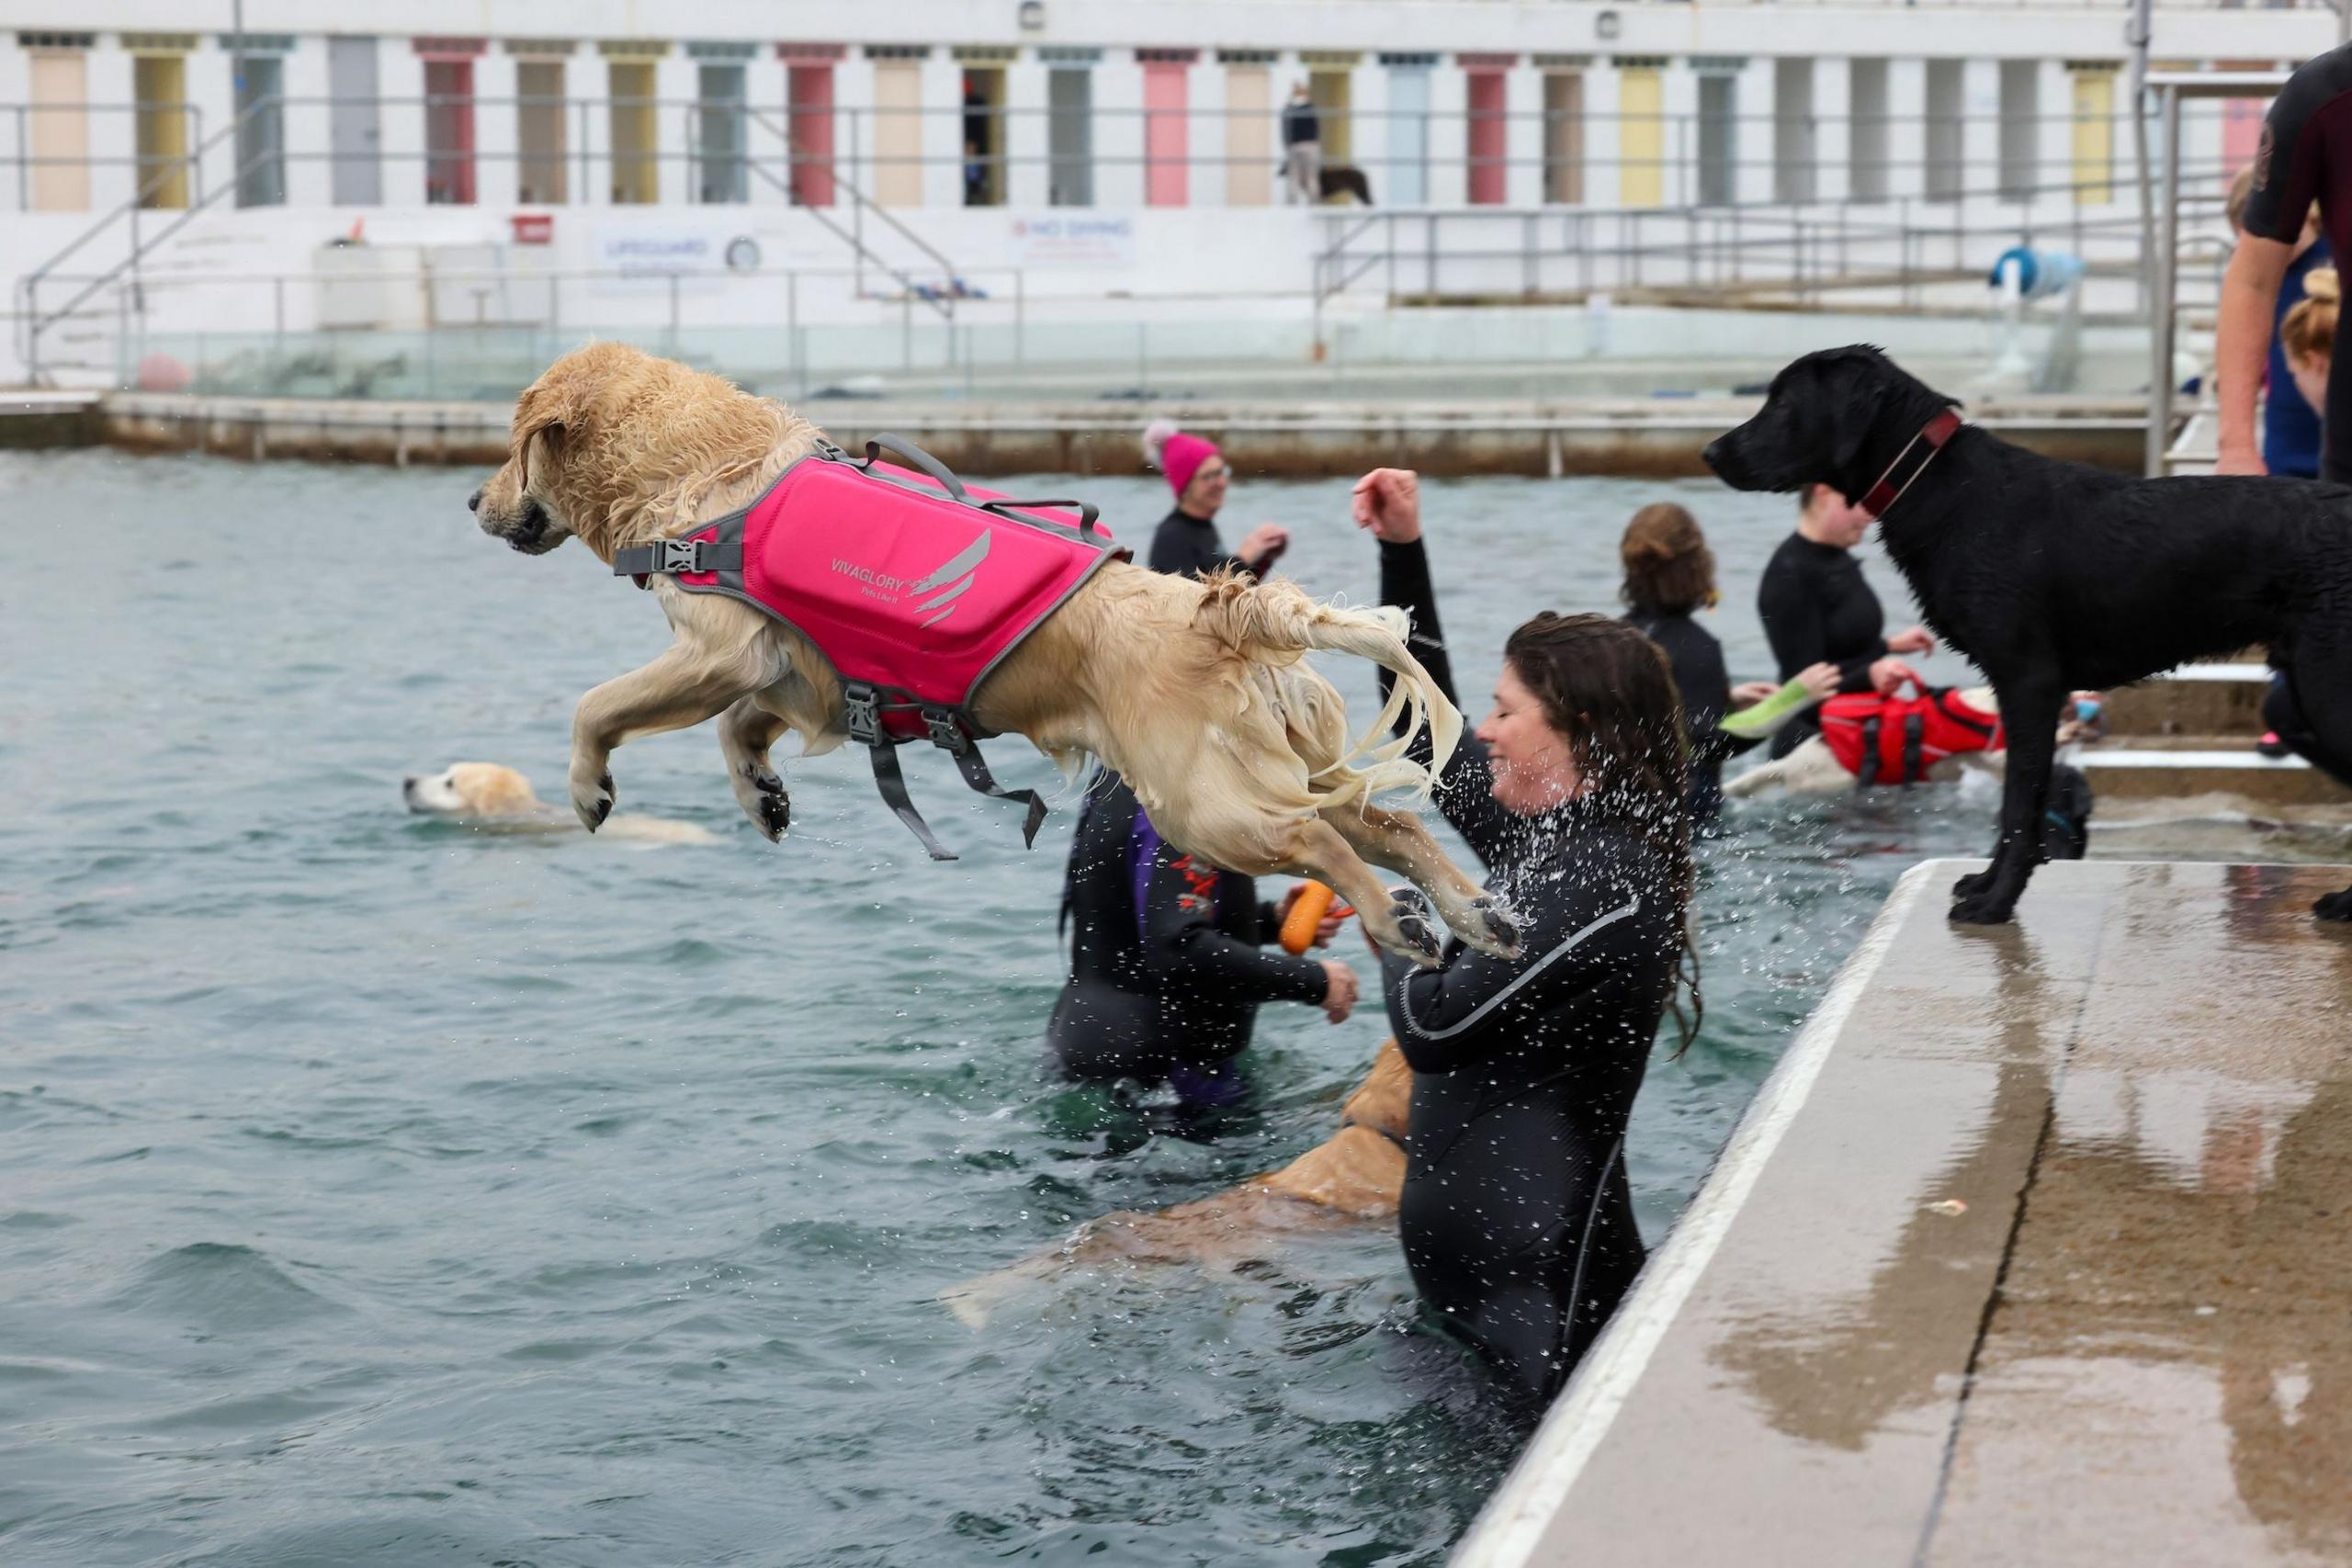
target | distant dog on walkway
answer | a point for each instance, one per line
(499, 800)
(1345, 179)
(2053, 576)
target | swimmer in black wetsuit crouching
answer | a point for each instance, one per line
(1517, 1221)
(1169, 960)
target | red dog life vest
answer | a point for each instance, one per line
(1897, 740)
(914, 586)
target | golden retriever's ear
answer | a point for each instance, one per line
(541, 416)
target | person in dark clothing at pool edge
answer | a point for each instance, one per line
(1186, 539)
(1816, 608)
(1670, 575)
(1169, 960)
(1516, 1218)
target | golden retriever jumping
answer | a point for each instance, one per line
(1194, 692)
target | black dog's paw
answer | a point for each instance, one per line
(2335, 906)
(1974, 883)
(1982, 909)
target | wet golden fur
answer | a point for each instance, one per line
(1194, 692)
(1356, 1175)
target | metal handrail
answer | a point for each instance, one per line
(862, 203)
(36, 323)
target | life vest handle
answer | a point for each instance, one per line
(1088, 515)
(921, 459)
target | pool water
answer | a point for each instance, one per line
(375, 1188)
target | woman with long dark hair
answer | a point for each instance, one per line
(1517, 1221)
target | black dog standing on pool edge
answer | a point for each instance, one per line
(2051, 576)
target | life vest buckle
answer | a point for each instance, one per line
(861, 711)
(947, 731)
(677, 555)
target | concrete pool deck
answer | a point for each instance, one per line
(2036, 1247)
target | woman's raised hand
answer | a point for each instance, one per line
(1388, 501)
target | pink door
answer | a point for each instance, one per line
(1488, 171)
(812, 87)
(1164, 128)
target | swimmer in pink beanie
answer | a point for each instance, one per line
(1187, 539)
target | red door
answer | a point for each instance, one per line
(1164, 134)
(812, 89)
(450, 133)
(1489, 174)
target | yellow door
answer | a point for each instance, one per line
(637, 171)
(2093, 137)
(59, 132)
(160, 83)
(898, 133)
(1641, 137)
(1331, 92)
(1249, 136)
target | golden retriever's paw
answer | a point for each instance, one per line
(1411, 930)
(593, 799)
(1491, 927)
(762, 795)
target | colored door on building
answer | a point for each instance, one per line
(2021, 171)
(1866, 130)
(722, 135)
(1489, 138)
(160, 84)
(354, 134)
(637, 167)
(2093, 137)
(1795, 153)
(1333, 94)
(541, 133)
(1718, 139)
(1946, 175)
(1641, 137)
(450, 133)
(1166, 141)
(1564, 137)
(1249, 136)
(810, 92)
(983, 147)
(60, 130)
(898, 132)
(1405, 179)
(261, 129)
(1070, 136)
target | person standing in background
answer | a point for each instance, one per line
(1302, 148)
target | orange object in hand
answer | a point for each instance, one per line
(1306, 912)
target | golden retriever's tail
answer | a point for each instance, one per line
(1277, 623)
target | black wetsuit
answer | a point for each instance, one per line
(1516, 1218)
(1183, 543)
(2306, 157)
(1698, 661)
(1817, 609)
(1167, 961)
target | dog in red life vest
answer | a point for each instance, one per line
(1930, 736)
(841, 601)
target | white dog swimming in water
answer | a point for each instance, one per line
(498, 799)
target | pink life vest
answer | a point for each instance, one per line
(914, 586)
(1897, 740)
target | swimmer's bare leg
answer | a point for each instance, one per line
(1398, 840)
(746, 731)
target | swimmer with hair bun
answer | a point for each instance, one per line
(1669, 577)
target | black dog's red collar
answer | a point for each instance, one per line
(1888, 491)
